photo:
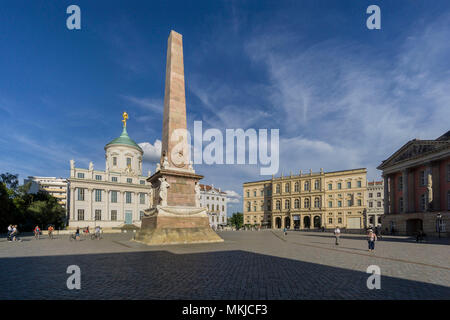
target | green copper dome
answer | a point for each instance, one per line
(124, 139)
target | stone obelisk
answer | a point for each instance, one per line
(176, 217)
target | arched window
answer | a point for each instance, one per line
(287, 187)
(278, 188)
(306, 203)
(316, 202)
(317, 185)
(306, 186)
(296, 185)
(278, 205)
(287, 204)
(297, 203)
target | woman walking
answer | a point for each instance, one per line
(371, 238)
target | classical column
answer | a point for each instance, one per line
(72, 202)
(391, 195)
(122, 195)
(138, 199)
(89, 193)
(386, 194)
(107, 217)
(405, 190)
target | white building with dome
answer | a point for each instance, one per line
(115, 197)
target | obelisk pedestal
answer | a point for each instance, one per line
(176, 217)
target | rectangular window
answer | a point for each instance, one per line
(141, 215)
(379, 204)
(359, 203)
(80, 194)
(379, 194)
(113, 215)
(349, 203)
(330, 220)
(98, 177)
(114, 179)
(98, 195)
(128, 162)
(113, 196)
(114, 161)
(359, 184)
(349, 185)
(80, 175)
(129, 180)
(339, 220)
(128, 197)
(339, 203)
(370, 204)
(370, 195)
(339, 185)
(80, 214)
(98, 214)
(330, 204)
(142, 181)
(142, 198)
(330, 186)
(400, 183)
(422, 178)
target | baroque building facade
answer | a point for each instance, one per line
(375, 203)
(215, 201)
(307, 200)
(417, 187)
(114, 197)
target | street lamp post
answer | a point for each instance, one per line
(439, 220)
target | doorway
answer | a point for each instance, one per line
(307, 222)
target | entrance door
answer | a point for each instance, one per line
(307, 222)
(128, 217)
(287, 222)
(413, 226)
(278, 222)
(296, 222)
(317, 222)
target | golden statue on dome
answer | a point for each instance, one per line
(125, 118)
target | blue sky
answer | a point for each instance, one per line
(342, 96)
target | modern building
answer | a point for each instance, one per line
(216, 201)
(417, 187)
(375, 203)
(57, 187)
(307, 200)
(115, 197)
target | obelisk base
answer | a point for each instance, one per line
(176, 225)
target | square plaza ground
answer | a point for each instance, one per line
(247, 265)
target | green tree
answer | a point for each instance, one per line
(237, 220)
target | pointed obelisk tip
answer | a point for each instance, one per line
(175, 34)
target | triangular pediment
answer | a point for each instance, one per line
(413, 149)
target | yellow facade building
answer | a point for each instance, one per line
(308, 200)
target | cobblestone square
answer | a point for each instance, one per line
(247, 265)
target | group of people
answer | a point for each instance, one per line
(13, 233)
(371, 237)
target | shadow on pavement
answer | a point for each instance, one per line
(213, 275)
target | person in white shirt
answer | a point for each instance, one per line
(337, 234)
(10, 229)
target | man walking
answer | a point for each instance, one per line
(371, 238)
(337, 234)
(10, 229)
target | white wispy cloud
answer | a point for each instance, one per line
(152, 152)
(155, 105)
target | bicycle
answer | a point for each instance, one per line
(74, 236)
(50, 235)
(96, 235)
(36, 235)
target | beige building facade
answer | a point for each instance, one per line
(310, 200)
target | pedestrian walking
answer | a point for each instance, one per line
(337, 234)
(371, 238)
(285, 231)
(10, 229)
